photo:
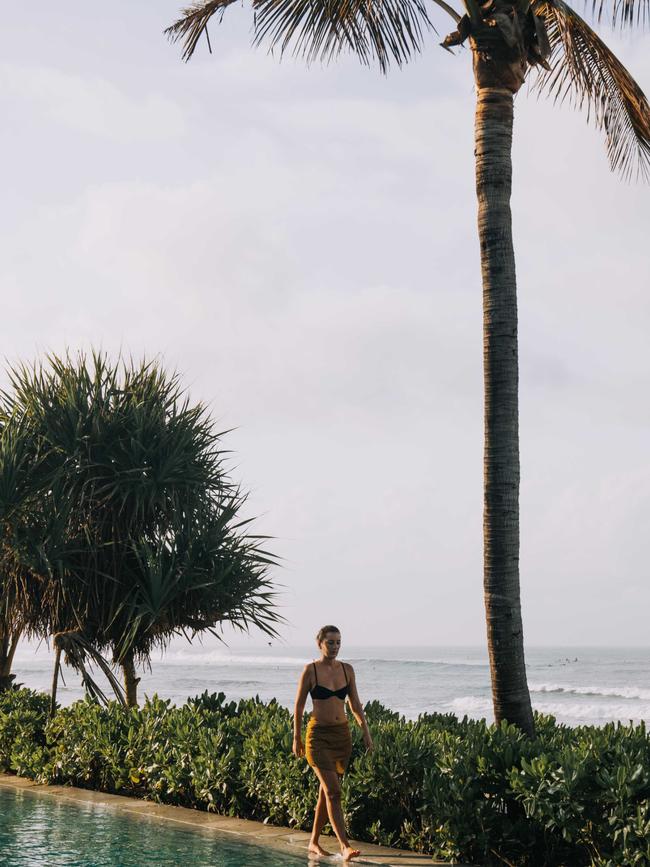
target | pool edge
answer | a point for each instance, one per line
(273, 836)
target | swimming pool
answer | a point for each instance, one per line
(37, 831)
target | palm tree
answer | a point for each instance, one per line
(506, 37)
(136, 535)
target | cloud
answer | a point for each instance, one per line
(231, 262)
(94, 106)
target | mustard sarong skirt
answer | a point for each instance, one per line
(328, 747)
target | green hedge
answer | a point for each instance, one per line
(457, 789)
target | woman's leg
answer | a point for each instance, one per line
(330, 784)
(320, 818)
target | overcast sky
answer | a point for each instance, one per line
(301, 245)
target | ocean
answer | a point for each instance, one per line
(577, 685)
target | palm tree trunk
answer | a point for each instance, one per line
(8, 645)
(493, 141)
(130, 681)
(55, 677)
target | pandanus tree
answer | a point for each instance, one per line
(506, 38)
(139, 534)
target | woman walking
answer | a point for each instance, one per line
(328, 742)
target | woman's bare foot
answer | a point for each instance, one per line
(348, 853)
(315, 849)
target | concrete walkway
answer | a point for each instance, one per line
(284, 839)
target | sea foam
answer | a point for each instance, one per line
(630, 692)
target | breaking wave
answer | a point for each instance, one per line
(627, 692)
(570, 713)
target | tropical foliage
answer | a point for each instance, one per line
(121, 527)
(457, 789)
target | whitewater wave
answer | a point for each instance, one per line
(581, 713)
(627, 692)
(573, 714)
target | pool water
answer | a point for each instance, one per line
(37, 831)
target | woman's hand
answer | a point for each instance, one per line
(367, 739)
(298, 748)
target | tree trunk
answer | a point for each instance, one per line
(130, 681)
(55, 677)
(493, 140)
(8, 645)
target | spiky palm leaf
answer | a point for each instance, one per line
(587, 72)
(380, 30)
(201, 573)
(81, 655)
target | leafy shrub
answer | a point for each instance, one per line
(87, 746)
(22, 740)
(456, 789)
(282, 790)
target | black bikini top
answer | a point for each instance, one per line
(322, 692)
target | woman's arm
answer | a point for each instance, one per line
(298, 710)
(357, 707)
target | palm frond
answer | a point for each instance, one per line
(80, 654)
(193, 23)
(384, 31)
(622, 13)
(586, 71)
(374, 30)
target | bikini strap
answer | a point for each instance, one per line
(315, 675)
(345, 673)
